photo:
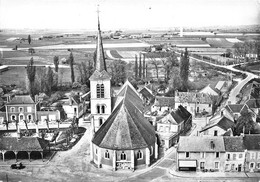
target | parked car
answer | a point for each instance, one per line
(17, 165)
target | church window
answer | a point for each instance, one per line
(100, 121)
(107, 154)
(98, 109)
(103, 109)
(139, 155)
(123, 156)
(100, 91)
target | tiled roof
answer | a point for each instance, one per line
(201, 144)
(233, 144)
(212, 88)
(147, 93)
(21, 99)
(252, 142)
(97, 75)
(164, 101)
(22, 144)
(220, 85)
(222, 122)
(236, 108)
(192, 97)
(126, 128)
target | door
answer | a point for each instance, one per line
(239, 168)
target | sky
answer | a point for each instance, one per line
(126, 14)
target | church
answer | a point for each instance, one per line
(122, 137)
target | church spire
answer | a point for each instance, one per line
(100, 63)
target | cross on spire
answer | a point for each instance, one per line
(98, 11)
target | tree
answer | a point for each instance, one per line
(6, 123)
(184, 70)
(48, 81)
(244, 123)
(29, 39)
(56, 63)
(175, 80)
(156, 66)
(118, 72)
(144, 66)
(84, 88)
(31, 70)
(26, 125)
(140, 65)
(71, 61)
(136, 67)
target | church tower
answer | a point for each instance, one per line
(100, 87)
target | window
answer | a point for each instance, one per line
(123, 156)
(258, 165)
(202, 154)
(215, 132)
(20, 109)
(217, 154)
(212, 145)
(29, 109)
(252, 165)
(100, 121)
(202, 165)
(96, 151)
(12, 109)
(100, 91)
(216, 165)
(187, 154)
(240, 156)
(13, 117)
(139, 155)
(209, 105)
(232, 166)
(198, 109)
(75, 110)
(234, 156)
(29, 117)
(107, 155)
(21, 117)
(103, 109)
(98, 109)
(151, 151)
(228, 156)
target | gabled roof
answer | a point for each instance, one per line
(252, 142)
(201, 144)
(220, 85)
(192, 97)
(236, 108)
(233, 144)
(222, 122)
(21, 99)
(126, 128)
(217, 92)
(164, 101)
(22, 144)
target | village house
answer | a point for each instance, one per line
(162, 104)
(233, 111)
(252, 146)
(218, 126)
(201, 153)
(146, 95)
(122, 137)
(74, 106)
(174, 124)
(210, 90)
(195, 103)
(223, 86)
(235, 154)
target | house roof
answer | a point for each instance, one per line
(21, 99)
(164, 101)
(192, 97)
(222, 122)
(126, 128)
(22, 144)
(210, 87)
(220, 85)
(201, 144)
(233, 144)
(252, 142)
(147, 93)
(236, 108)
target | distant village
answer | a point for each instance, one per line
(132, 127)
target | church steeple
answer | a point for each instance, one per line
(100, 63)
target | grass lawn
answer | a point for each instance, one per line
(255, 67)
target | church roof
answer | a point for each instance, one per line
(126, 128)
(100, 72)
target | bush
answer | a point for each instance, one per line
(76, 85)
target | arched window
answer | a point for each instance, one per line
(98, 109)
(21, 117)
(12, 109)
(107, 154)
(29, 117)
(139, 155)
(103, 109)
(123, 156)
(13, 117)
(100, 121)
(20, 109)
(102, 91)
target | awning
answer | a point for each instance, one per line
(187, 163)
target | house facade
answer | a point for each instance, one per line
(20, 108)
(196, 153)
(195, 103)
(162, 105)
(74, 106)
(174, 124)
